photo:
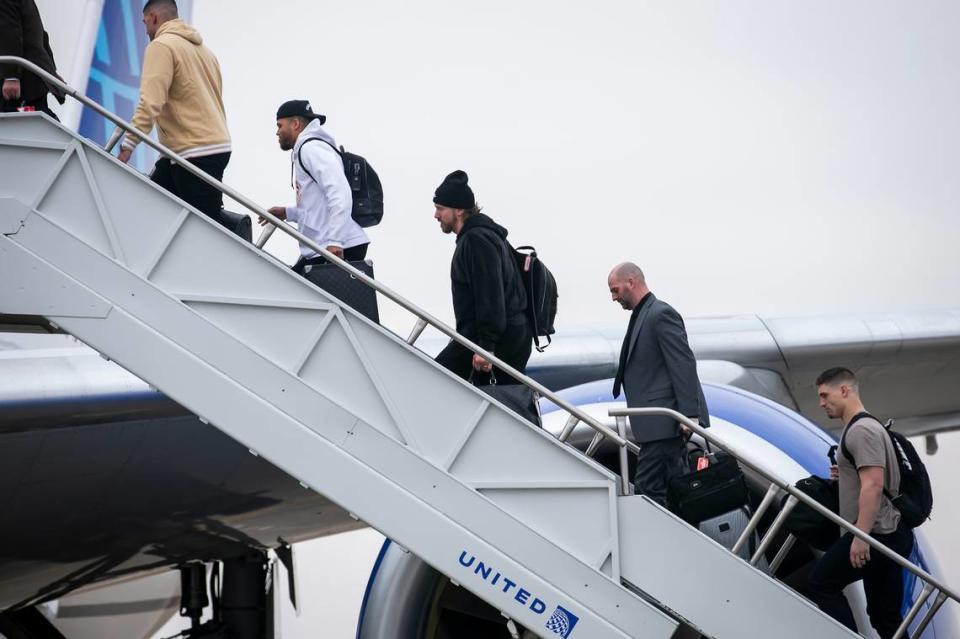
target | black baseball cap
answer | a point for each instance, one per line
(299, 108)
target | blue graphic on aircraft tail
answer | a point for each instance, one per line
(115, 70)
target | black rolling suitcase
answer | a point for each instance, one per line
(236, 223)
(726, 529)
(704, 494)
(346, 287)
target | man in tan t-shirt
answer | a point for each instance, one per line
(864, 485)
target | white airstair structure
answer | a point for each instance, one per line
(529, 524)
(504, 509)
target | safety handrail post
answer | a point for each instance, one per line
(572, 422)
(114, 138)
(768, 498)
(774, 529)
(594, 444)
(624, 462)
(386, 291)
(782, 553)
(928, 615)
(417, 331)
(796, 495)
(265, 235)
(914, 610)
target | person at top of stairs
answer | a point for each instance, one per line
(22, 35)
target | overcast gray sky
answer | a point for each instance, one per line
(773, 157)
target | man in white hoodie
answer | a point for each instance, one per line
(324, 201)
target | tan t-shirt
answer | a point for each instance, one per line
(870, 445)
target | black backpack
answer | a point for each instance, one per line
(541, 289)
(915, 501)
(364, 184)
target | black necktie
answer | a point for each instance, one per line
(618, 381)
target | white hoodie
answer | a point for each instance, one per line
(324, 201)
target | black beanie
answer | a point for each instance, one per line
(454, 192)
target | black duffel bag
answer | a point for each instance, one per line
(711, 492)
(808, 525)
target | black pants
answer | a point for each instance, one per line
(514, 348)
(352, 254)
(882, 582)
(188, 187)
(657, 463)
(40, 104)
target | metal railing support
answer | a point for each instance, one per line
(928, 615)
(914, 610)
(774, 528)
(752, 524)
(417, 331)
(782, 553)
(624, 462)
(265, 235)
(572, 422)
(594, 444)
(332, 259)
(114, 138)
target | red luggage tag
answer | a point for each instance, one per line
(702, 463)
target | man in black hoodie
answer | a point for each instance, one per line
(489, 301)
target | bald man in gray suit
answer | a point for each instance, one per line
(657, 368)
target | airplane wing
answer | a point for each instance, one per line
(908, 362)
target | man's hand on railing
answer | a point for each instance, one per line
(276, 211)
(482, 365)
(11, 89)
(124, 154)
(336, 250)
(859, 553)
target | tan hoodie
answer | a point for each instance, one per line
(181, 92)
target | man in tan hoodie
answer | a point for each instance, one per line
(181, 93)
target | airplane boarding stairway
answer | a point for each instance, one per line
(527, 523)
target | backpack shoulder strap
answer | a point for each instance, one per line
(843, 444)
(300, 159)
(849, 456)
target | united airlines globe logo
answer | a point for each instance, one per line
(562, 622)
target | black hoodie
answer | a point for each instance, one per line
(488, 294)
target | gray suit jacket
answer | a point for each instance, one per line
(661, 371)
